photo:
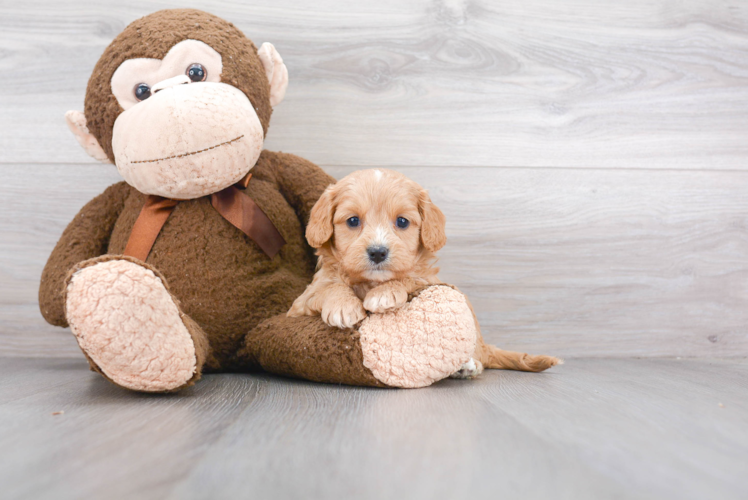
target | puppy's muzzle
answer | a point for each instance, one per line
(377, 254)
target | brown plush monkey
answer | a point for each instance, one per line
(184, 267)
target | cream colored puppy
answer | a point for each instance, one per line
(376, 232)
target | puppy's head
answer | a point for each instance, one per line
(377, 224)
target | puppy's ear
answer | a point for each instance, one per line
(433, 222)
(319, 230)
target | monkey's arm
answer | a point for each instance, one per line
(301, 182)
(86, 236)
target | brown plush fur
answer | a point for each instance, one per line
(223, 284)
(231, 297)
(152, 37)
(307, 348)
(223, 280)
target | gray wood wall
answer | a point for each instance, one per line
(590, 155)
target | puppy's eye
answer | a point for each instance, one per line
(196, 72)
(353, 222)
(142, 91)
(402, 222)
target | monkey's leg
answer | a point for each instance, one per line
(131, 328)
(426, 340)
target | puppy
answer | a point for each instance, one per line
(376, 233)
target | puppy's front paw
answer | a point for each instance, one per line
(385, 298)
(343, 314)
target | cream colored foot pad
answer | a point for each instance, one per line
(426, 340)
(126, 321)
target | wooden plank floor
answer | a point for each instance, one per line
(590, 429)
(567, 262)
(590, 155)
(579, 83)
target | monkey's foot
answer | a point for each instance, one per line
(426, 340)
(129, 326)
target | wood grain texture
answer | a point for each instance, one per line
(558, 261)
(582, 83)
(594, 263)
(37, 203)
(590, 429)
(589, 155)
(118, 442)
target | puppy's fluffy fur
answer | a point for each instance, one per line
(348, 281)
(376, 233)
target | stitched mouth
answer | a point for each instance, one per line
(192, 153)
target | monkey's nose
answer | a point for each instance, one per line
(377, 254)
(170, 82)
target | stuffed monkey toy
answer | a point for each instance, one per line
(190, 264)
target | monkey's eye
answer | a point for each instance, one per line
(196, 72)
(353, 222)
(402, 222)
(142, 91)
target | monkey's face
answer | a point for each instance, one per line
(181, 118)
(183, 134)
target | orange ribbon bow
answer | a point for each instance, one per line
(235, 206)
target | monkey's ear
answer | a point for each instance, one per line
(77, 124)
(320, 227)
(276, 72)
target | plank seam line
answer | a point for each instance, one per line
(497, 167)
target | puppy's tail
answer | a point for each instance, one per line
(493, 357)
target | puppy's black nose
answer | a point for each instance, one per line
(377, 254)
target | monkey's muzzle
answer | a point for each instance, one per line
(188, 141)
